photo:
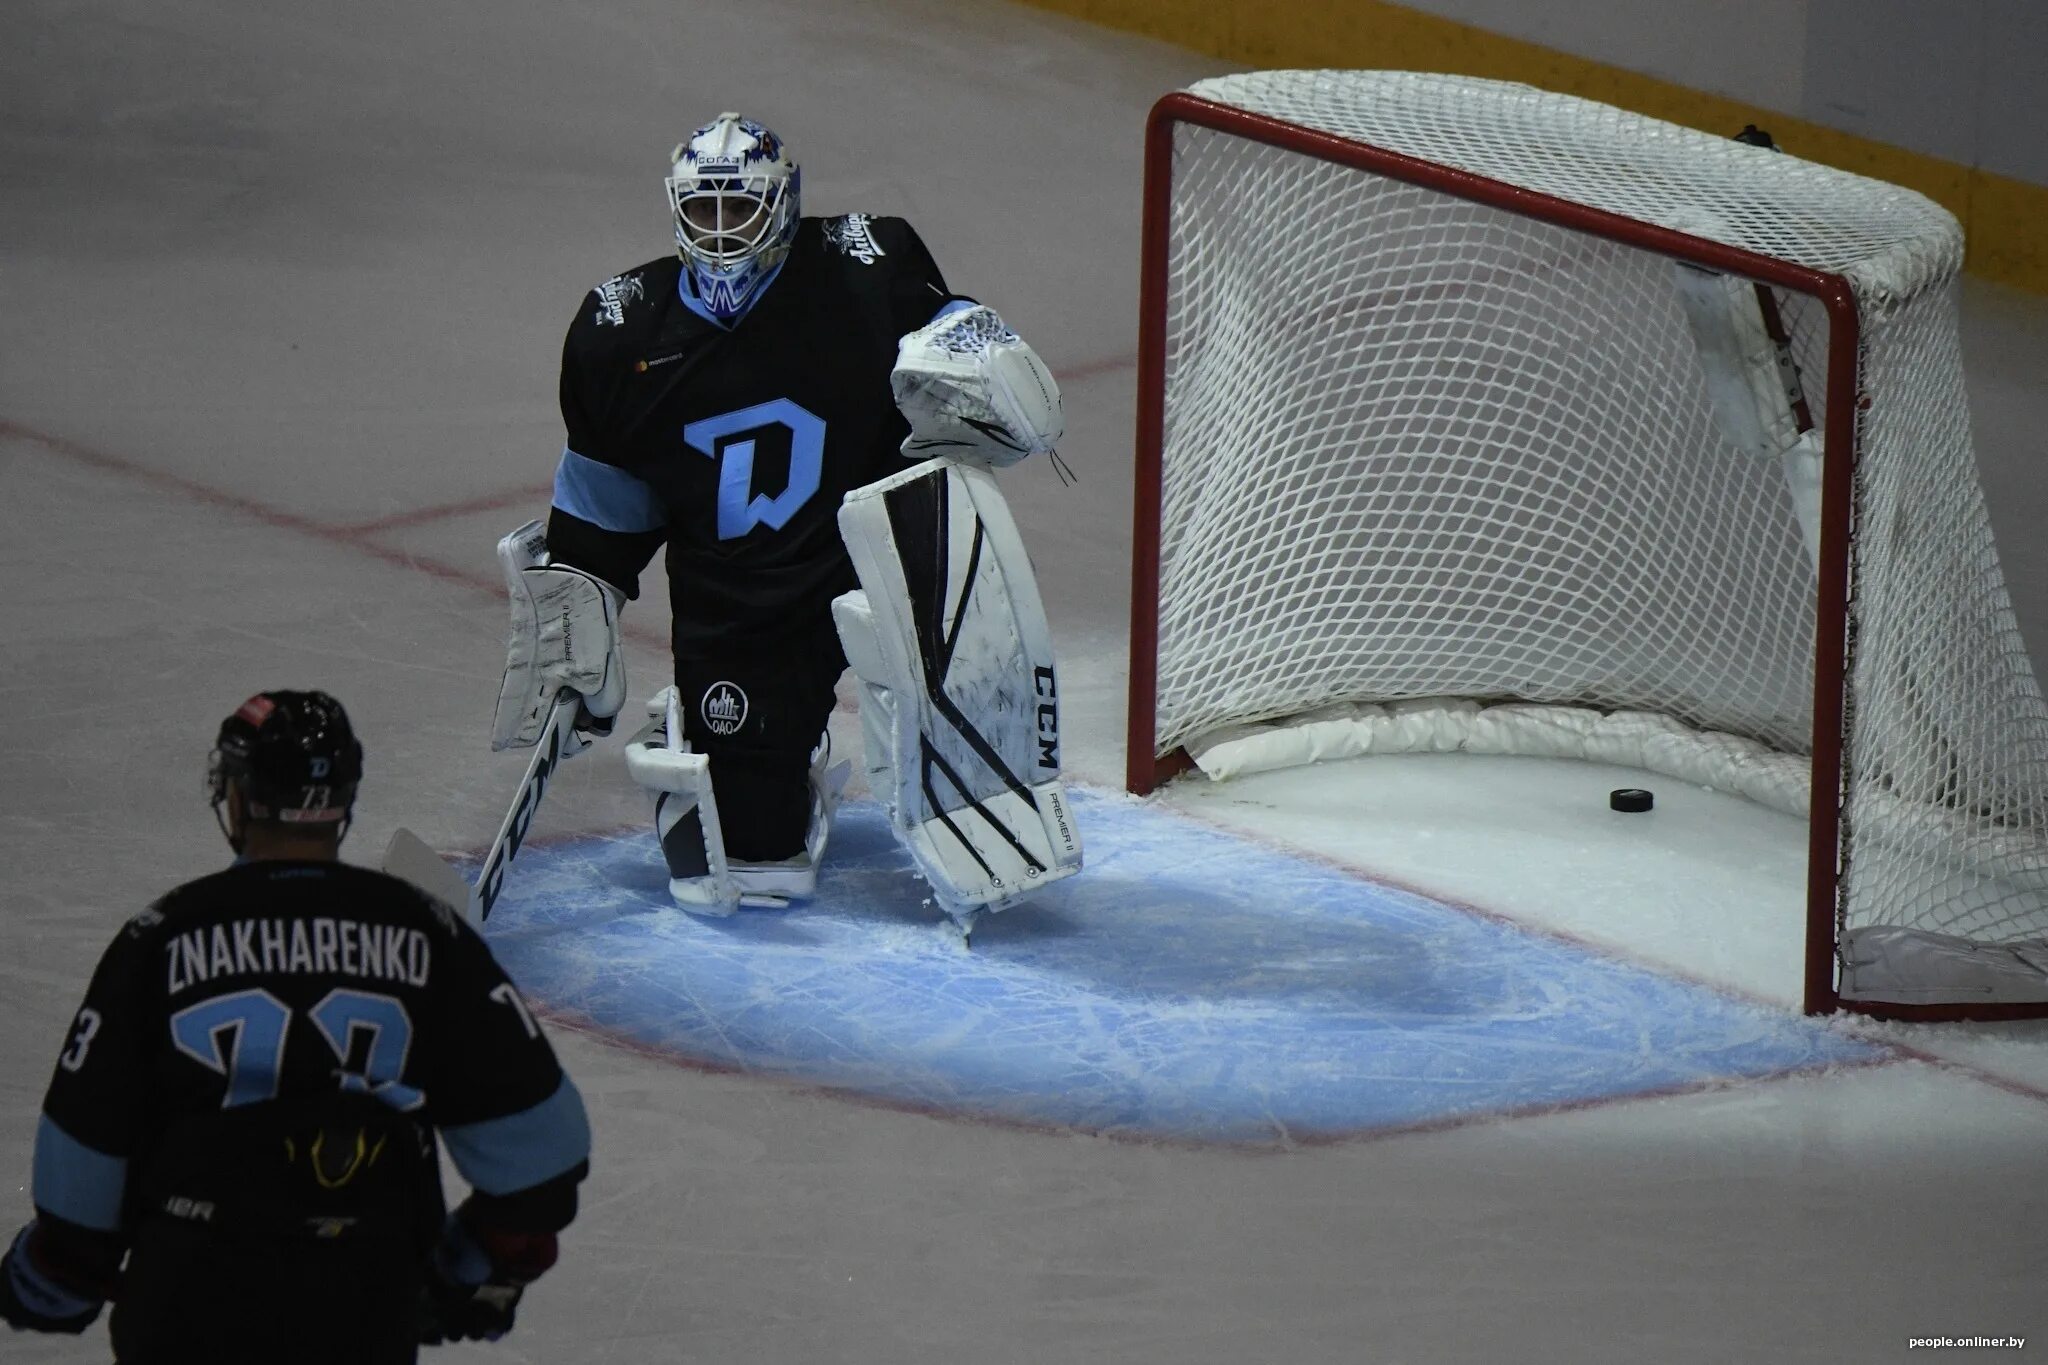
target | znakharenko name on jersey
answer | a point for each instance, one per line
(245, 947)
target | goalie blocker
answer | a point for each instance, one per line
(959, 695)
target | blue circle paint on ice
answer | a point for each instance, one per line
(1187, 985)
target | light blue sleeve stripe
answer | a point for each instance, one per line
(519, 1151)
(77, 1183)
(605, 496)
(950, 307)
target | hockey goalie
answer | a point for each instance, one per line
(773, 345)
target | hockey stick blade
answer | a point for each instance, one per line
(408, 856)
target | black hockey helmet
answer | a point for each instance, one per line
(294, 757)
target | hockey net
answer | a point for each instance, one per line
(1428, 460)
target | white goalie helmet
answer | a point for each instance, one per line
(733, 190)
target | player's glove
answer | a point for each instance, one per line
(34, 1300)
(971, 387)
(565, 637)
(475, 1280)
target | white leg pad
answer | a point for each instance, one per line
(959, 696)
(778, 883)
(685, 811)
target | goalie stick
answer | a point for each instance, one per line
(1774, 321)
(1752, 379)
(409, 858)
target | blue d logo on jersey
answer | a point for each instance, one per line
(740, 509)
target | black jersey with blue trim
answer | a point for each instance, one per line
(246, 1014)
(741, 441)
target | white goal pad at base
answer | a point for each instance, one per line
(1464, 423)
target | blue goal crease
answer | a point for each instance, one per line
(1189, 985)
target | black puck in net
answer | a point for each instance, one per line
(1634, 800)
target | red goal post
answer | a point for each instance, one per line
(1204, 128)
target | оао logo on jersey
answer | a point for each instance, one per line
(724, 708)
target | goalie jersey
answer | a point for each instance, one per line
(736, 446)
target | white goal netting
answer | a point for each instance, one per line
(1438, 474)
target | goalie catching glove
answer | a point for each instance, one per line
(565, 637)
(969, 386)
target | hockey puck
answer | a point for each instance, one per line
(1634, 800)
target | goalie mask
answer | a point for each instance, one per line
(733, 191)
(293, 757)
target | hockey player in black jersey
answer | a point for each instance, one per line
(248, 1105)
(730, 400)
